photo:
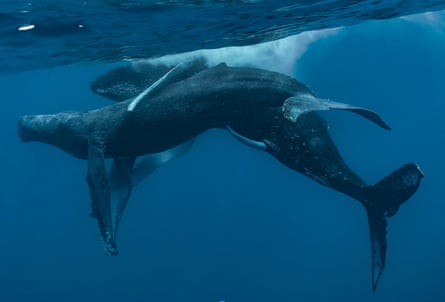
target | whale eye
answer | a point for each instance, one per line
(317, 144)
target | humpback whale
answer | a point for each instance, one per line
(160, 118)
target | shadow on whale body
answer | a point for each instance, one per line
(251, 103)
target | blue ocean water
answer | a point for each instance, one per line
(227, 223)
(68, 31)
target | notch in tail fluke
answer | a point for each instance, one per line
(383, 201)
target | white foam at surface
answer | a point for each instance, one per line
(280, 55)
(434, 19)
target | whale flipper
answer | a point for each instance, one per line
(151, 162)
(366, 113)
(383, 201)
(247, 141)
(110, 195)
(98, 182)
(165, 80)
(171, 76)
(294, 106)
(121, 187)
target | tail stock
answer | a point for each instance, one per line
(382, 201)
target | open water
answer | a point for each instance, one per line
(225, 222)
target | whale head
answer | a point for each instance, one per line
(54, 129)
(40, 128)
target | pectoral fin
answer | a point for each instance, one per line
(247, 141)
(171, 76)
(98, 182)
(121, 187)
(151, 162)
(293, 107)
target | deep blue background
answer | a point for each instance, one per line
(228, 223)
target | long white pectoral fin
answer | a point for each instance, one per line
(293, 107)
(120, 177)
(151, 162)
(164, 81)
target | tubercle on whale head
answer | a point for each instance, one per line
(62, 130)
(49, 128)
(40, 128)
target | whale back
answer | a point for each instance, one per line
(125, 82)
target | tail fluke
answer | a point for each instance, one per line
(382, 201)
(377, 229)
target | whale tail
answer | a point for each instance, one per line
(382, 201)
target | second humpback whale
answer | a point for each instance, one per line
(263, 109)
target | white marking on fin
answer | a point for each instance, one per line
(120, 187)
(161, 83)
(247, 141)
(151, 162)
(294, 106)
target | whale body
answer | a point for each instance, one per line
(265, 110)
